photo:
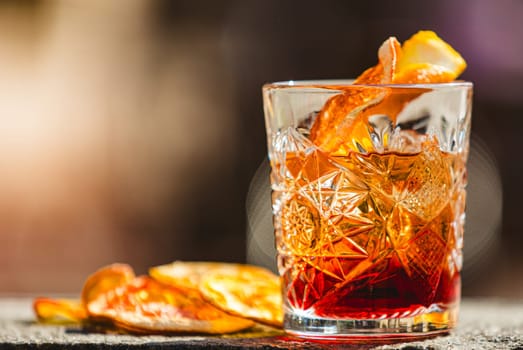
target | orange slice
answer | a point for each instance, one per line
(146, 305)
(59, 310)
(105, 280)
(185, 273)
(247, 291)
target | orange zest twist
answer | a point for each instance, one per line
(340, 127)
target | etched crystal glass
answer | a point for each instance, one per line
(368, 199)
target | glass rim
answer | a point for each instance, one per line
(345, 83)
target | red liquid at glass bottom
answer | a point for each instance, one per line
(383, 301)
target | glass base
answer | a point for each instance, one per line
(424, 325)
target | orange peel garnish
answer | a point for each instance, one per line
(428, 57)
(341, 125)
(383, 73)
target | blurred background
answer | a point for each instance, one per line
(130, 130)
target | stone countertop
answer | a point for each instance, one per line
(484, 324)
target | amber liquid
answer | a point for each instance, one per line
(370, 236)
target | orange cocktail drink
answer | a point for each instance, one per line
(368, 181)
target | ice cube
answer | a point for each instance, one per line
(286, 155)
(428, 185)
(406, 141)
(435, 113)
(381, 127)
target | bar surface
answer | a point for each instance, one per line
(484, 324)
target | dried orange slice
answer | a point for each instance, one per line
(59, 310)
(147, 305)
(185, 273)
(72, 310)
(247, 291)
(104, 280)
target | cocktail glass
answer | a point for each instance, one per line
(368, 209)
